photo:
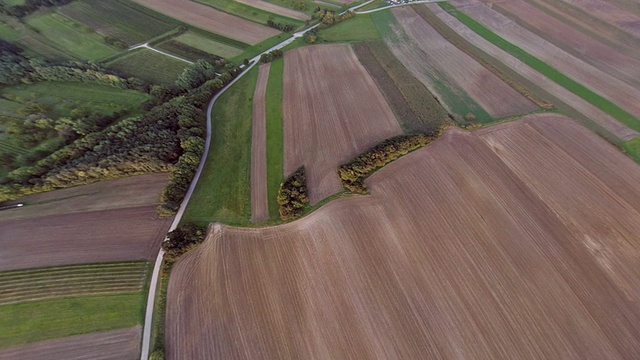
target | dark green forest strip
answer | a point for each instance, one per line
(600, 102)
(275, 134)
(414, 106)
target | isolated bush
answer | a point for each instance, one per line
(292, 195)
(184, 238)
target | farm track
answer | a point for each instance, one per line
(259, 199)
(601, 119)
(465, 249)
(121, 344)
(213, 20)
(332, 112)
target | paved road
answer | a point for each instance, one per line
(148, 319)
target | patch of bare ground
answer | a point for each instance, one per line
(580, 44)
(213, 20)
(518, 241)
(494, 95)
(332, 111)
(122, 344)
(276, 9)
(613, 89)
(598, 117)
(259, 198)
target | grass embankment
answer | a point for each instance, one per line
(223, 190)
(580, 90)
(250, 13)
(275, 134)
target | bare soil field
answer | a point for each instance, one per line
(603, 120)
(609, 12)
(602, 83)
(276, 9)
(122, 193)
(259, 198)
(332, 111)
(518, 241)
(98, 236)
(494, 95)
(123, 344)
(213, 20)
(580, 44)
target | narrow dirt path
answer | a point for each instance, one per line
(259, 200)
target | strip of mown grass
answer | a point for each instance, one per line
(249, 12)
(223, 192)
(48, 319)
(275, 134)
(208, 45)
(632, 148)
(600, 102)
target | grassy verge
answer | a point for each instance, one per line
(358, 28)
(159, 312)
(48, 319)
(275, 134)
(580, 90)
(223, 190)
(632, 148)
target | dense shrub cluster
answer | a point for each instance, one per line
(353, 173)
(184, 238)
(330, 17)
(280, 26)
(268, 57)
(292, 195)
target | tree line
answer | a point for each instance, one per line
(292, 195)
(270, 56)
(30, 6)
(353, 173)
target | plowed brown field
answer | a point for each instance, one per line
(494, 95)
(259, 198)
(609, 12)
(332, 111)
(213, 20)
(518, 241)
(123, 344)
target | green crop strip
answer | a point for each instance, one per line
(600, 102)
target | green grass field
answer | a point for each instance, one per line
(149, 65)
(71, 37)
(223, 191)
(118, 19)
(60, 98)
(275, 135)
(208, 45)
(13, 2)
(359, 28)
(632, 148)
(600, 102)
(48, 319)
(7, 33)
(248, 12)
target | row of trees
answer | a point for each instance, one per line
(292, 195)
(280, 26)
(330, 17)
(270, 56)
(184, 238)
(352, 174)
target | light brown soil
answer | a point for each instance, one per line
(597, 80)
(99, 236)
(518, 241)
(122, 344)
(332, 111)
(213, 20)
(598, 117)
(488, 90)
(567, 37)
(122, 193)
(609, 12)
(259, 198)
(276, 9)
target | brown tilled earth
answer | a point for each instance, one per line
(518, 241)
(213, 20)
(332, 111)
(123, 344)
(259, 198)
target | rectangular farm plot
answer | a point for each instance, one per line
(276, 9)
(149, 65)
(332, 111)
(208, 45)
(210, 19)
(487, 89)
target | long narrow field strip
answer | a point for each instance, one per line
(38, 284)
(208, 45)
(210, 19)
(259, 199)
(332, 111)
(276, 9)
(250, 12)
(8, 147)
(34, 321)
(494, 244)
(488, 90)
(149, 65)
(223, 192)
(621, 18)
(563, 80)
(121, 344)
(115, 18)
(275, 135)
